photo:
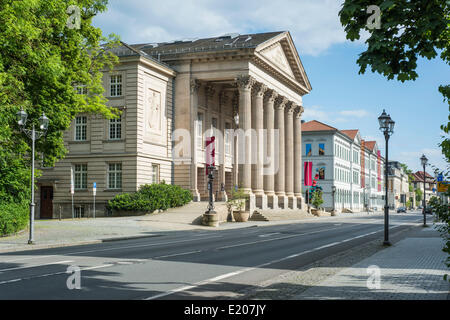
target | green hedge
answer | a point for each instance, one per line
(151, 197)
(13, 217)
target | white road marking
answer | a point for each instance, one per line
(109, 249)
(36, 265)
(231, 274)
(268, 234)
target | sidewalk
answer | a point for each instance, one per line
(68, 232)
(411, 269)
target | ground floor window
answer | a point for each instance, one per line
(80, 176)
(155, 173)
(114, 176)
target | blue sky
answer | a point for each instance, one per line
(340, 97)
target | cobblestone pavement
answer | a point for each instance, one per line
(412, 268)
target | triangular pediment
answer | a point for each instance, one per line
(276, 55)
(280, 54)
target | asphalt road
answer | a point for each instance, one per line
(188, 264)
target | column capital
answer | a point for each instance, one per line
(245, 82)
(270, 95)
(280, 102)
(195, 85)
(259, 89)
(299, 111)
(290, 107)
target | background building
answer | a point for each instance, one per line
(344, 160)
(430, 185)
(398, 187)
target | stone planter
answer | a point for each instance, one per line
(241, 216)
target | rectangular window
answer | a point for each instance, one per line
(308, 150)
(155, 173)
(321, 149)
(322, 173)
(114, 176)
(80, 176)
(80, 128)
(227, 138)
(81, 89)
(116, 85)
(115, 128)
(199, 132)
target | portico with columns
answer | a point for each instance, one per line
(261, 79)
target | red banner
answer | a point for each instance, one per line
(307, 173)
(210, 153)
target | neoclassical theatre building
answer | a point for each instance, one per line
(246, 90)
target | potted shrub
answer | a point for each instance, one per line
(238, 199)
(316, 201)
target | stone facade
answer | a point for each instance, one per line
(175, 95)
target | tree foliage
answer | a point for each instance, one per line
(42, 59)
(408, 30)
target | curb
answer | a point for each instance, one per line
(78, 243)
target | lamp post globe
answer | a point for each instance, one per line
(21, 117)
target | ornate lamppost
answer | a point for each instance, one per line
(424, 161)
(387, 127)
(33, 134)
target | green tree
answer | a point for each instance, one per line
(408, 30)
(42, 59)
(419, 194)
(317, 200)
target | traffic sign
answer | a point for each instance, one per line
(94, 188)
(72, 188)
(440, 177)
(442, 186)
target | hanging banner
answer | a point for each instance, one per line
(210, 152)
(307, 173)
(72, 187)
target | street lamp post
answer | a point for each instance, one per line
(236, 123)
(424, 162)
(387, 127)
(33, 134)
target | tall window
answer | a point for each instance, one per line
(321, 149)
(322, 173)
(115, 176)
(155, 173)
(80, 128)
(214, 127)
(80, 176)
(308, 150)
(227, 138)
(199, 131)
(116, 85)
(115, 128)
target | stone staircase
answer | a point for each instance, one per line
(277, 215)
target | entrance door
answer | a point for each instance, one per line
(46, 202)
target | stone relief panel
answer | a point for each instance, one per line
(154, 112)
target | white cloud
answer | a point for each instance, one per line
(355, 113)
(314, 25)
(344, 116)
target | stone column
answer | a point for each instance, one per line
(245, 84)
(269, 121)
(195, 85)
(280, 104)
(223, 100)
(298, 164)
(258, 148)
(289, 153)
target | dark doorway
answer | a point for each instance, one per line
(46, 202)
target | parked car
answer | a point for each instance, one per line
(428, 210)
(419, 207)
(401, 209)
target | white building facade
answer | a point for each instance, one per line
(343, 160)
